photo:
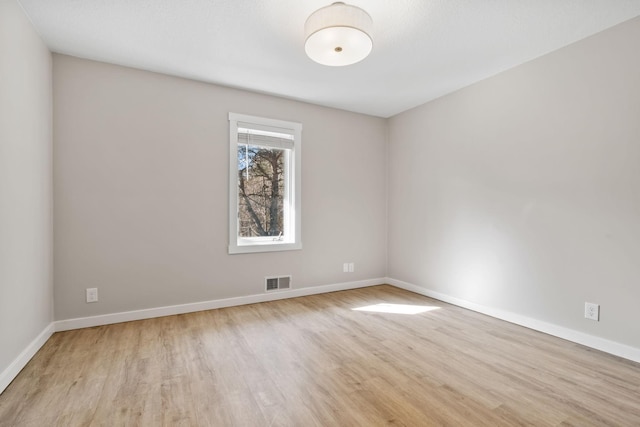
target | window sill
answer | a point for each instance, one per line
(264, 247)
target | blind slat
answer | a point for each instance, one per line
(263, 138)
(265, 128)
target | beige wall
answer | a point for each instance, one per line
(25, 185)
(522, 192)
(141, 191)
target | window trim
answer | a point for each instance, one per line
(238, 245)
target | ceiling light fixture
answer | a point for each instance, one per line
(338, 34)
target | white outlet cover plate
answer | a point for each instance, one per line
(591, 311)
(92, 294)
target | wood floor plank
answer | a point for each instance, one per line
(316, 361)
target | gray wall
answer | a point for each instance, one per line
(522, 192)
(25, 184)
(141, 191)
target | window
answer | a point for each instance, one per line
(264, 184)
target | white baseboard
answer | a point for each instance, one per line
(23, 358)
(127, 316)
(611, 347)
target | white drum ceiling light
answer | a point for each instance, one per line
(338, 34)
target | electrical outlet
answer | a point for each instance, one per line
(92, 294)
(351, 267)
(592, 311)
(345, 267)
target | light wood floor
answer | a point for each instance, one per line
(313, 361)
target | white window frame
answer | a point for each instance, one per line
(292, 215)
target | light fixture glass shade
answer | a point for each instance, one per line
(338, 34)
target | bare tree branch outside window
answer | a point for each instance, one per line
(260, 191)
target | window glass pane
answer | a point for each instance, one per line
(261, 191)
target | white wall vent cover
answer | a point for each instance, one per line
(276, 283)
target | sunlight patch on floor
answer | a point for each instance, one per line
(397, 308)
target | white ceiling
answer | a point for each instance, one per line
(423, 49)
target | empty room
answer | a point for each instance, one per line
(305, 213)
